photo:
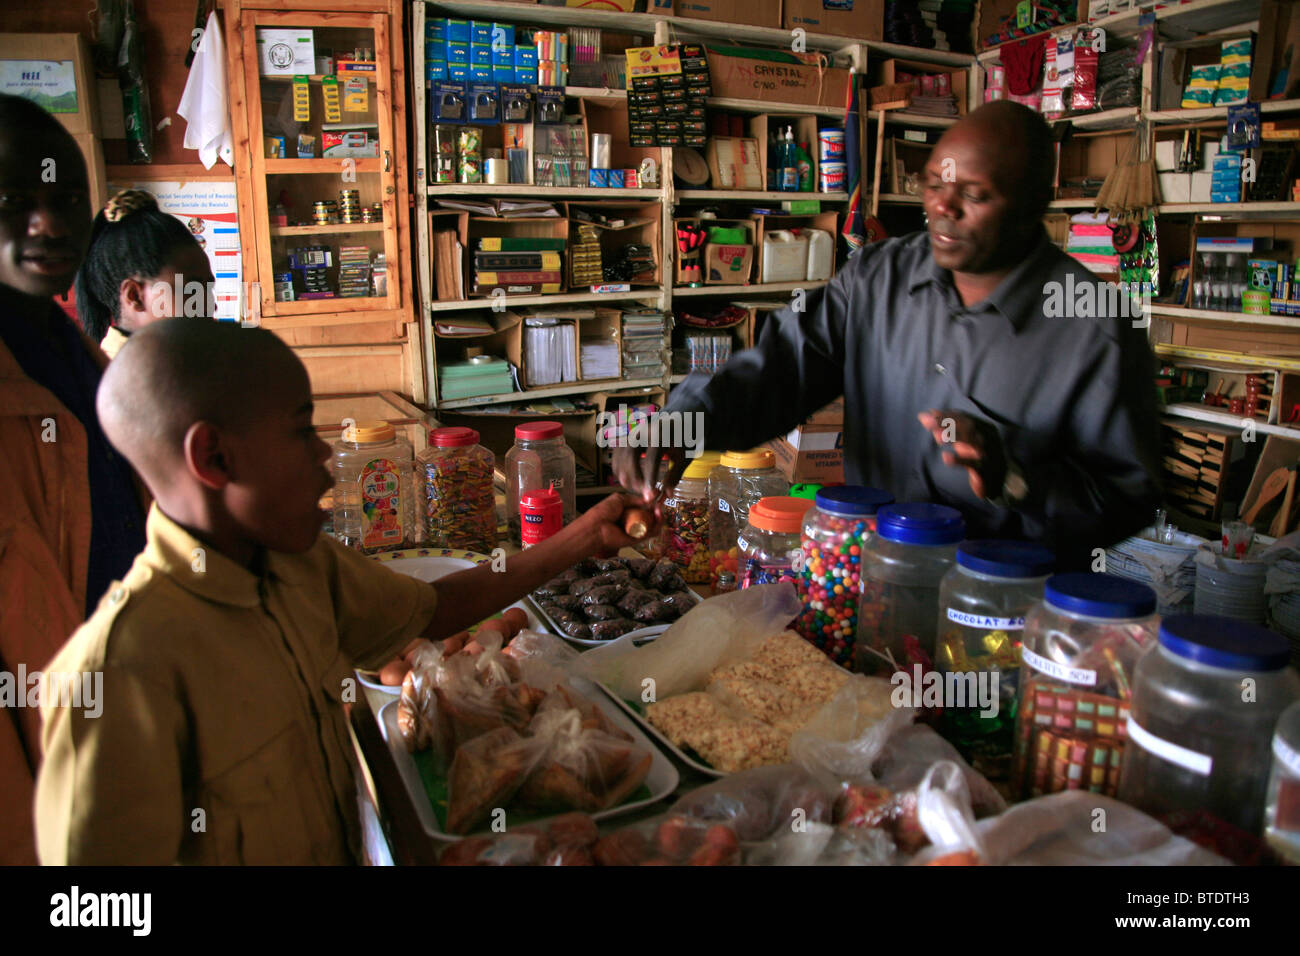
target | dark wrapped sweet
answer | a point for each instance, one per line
(606, 594)
(557, 585)
(682, 600)
(581, 586)
(570, 602)
(601, 612)
(634, 599)
(641, 568)
(562, 616)
(578, 629)
(664, 572)
(656, 612)
(608, 630)
(585, 568)
(621, 576)
(611, 564)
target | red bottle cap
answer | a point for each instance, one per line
(453, 437)
(541, 498)
(536, 431)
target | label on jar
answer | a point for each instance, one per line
(1071, 675)
(381, 504)
(987, 623)
(757, 573)
(723, 506)
(1188, 759)
(1287, 757)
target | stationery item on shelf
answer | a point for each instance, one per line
(329, 87)
(379, 275)
(708, 351)
(495, 171)
(448, 269)
(668, 88)
(520, 244)
(643, 343)
(599, 359)
(356, 95)
(462, 325)
(600, 150)
(585, 257)
(354, 271)
(306, 146)
(483, 375)
(301, 100)
(1202, 86)
(549, 352)
(274, 147)
(444, 154)
(733, 163)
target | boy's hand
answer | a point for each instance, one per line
(605, 522)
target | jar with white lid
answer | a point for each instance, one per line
(1205, 703)
(1282, 805)
(983, 601)
(739, 480)
(914, 546)
(374, 488)
(770, 541)
(539, 459)
(685, 537)
(1081, 646)
(835, 532)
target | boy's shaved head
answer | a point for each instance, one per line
(177, 372)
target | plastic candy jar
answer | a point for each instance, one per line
(374, 488)
(1205, 703)
(834, 535)
(460, 506)
(539, 459)
(685, 539)
(1282, 806)
(904, 561)
(1080, 648)
(983, 601)
(770, 542)
(741, 478)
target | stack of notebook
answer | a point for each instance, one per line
(518, 265)
(643, 343)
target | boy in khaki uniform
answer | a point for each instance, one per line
(225, 650)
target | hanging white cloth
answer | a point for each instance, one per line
(203, 104)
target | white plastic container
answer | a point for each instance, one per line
(785, 256)
(821, 254)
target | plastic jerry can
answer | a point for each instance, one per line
(785, 256)
(821, 254)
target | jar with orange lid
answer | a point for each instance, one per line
(770, 544)
(374, 488)
(740, 479)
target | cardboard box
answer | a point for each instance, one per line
(854, 19)
(95, 174)
(891, 68)
(809, 83)
(56, 71)
(759, 13)
(811, 453)
(832, 414)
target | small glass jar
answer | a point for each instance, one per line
(982, 606)
(460, 506)
(685, 537)
(835, 532)
(1282, 805)
(914, 546)
(1205, 703)
(741, 478)
(769, 545)
(539, 459)
(374, 489)
(1080, 648)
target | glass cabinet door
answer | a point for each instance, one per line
(324, 169)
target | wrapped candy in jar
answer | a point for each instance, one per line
(982, 606)
(914, 546)
(1079, 651)
(1205, 702)
(834, 535)
(1282, 806)
(741, 478)
(685, 538)
(460, 506)
(769, 545)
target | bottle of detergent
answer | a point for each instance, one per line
(787, 165)
(804, 164)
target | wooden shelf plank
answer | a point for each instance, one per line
(1232, 319)
(557, 298)
(335, 229)
(757, 195)
(905, 118)
(1231, 209)
(325, 166)
(1203, 413)
(559, 391)
(494, 191)
(757, 288)
(1219, 114)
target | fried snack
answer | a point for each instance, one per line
(553, 787)
(485, 774)
(574, 829)
(633, 777)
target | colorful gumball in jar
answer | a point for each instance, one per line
(835, 532)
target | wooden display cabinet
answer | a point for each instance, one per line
(262, 106)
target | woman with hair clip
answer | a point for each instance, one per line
(143, 265)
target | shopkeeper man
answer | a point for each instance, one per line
(959, 387)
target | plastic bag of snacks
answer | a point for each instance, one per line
(564, 841)
(671, 840)
(846, 736)
(822, 844)
(485, 774)
(910, 752)
(763, 803)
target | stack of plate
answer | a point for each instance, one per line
(1231, 588)
(1125, 561)
(1284, 611)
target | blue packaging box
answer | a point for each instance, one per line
(480, 74)
(503, 37)
(456, 52)
(1227, 161)
(457, 31)
(615, 178)
(480, 31)
(503, 74)
(480, 54)
(598, 177)
(435, 28)
(527, 75)
(1219, 195)
(435, 70)
(525, 56)
(503, 56)
(458, 72)
(1224, 178)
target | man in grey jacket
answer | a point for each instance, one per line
(974, 372)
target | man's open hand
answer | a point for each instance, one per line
(969, 443)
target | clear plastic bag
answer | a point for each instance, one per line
(565, 841)
(846, 736)
(763, 803)
(671, 840)
(910, 752)
(485, 775)
(823, 845)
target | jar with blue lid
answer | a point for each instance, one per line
(914, 546)
(1080, 647)
(1205, 704)
(835, 532)
(1282, 805)
(983, 601)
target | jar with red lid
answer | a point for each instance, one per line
(459, 503)
(539, 459)
(541, 514)
(769, 544)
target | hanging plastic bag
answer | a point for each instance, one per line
(135, 92)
